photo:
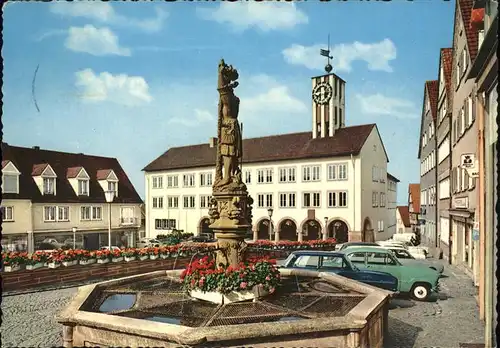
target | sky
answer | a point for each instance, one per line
(132, 79)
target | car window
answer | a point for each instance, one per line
(334, 262)
(306, 261)
(401, 254)
(357, 257)
(380, 258)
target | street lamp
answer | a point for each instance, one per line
(325, 231)
(74, 237)
(110, 195)
(270, 213)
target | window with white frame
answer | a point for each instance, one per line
(10, 178)
(173, 202)
(382, 174)
(248, 177)
(462, 121)
(269, 175)
(260, 176)
(444, 188)
(337, 199)
(157, 182)
(287, 200)
(62, 213)
(265, 176)
(7, 213)
(375, 173)
(188, 180)
(265, 200)
(172, 181)
(269, 200)
(189, 201)
(469, 111)
(113, 186)
(49, 185)
(337, 171)
(311, 200)
(96, 213)
(157, 202)
(55, 213)
(382, 199)
(374, 199)
(86, 213)
(260, 200)
(380, 226)
(165, 224)
(205, 179)
(83, 187)
(205, 201)
(311, 173)
(287, 174)
(444, 150)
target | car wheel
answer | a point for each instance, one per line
(421, 292)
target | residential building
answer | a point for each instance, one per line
(428, 161)
(392, 198)
(328, 182)
(483, 71)
(403, 219)
(49, 197)
(464, 142)
(414, 206)
(443, 135)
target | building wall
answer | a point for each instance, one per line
(400, 226)
(373, 155)
(21, 214)
(392, 206)
(428, 160)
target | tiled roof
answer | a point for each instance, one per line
(72, 172)
(38, 169)
(392, 177)
(102, 174)
(293, 146)
(432, 88)
(471, 34)
(4, 163)
(446, 63)
(414, 191)
(26, 158)
(405, 214)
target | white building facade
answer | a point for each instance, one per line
(392, 198)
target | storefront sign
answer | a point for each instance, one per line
(470, 163)
(461, 202)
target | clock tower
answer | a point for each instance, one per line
(328, 104)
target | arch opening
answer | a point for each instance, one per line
(311, 230)
(367, 234)
(263, 230)
(204, 227)
(288, 230)
(338, 229)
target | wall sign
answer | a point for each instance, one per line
(461, 202)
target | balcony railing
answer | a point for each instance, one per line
(126, 221)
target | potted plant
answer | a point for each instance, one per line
(255, 278)
(154, 253)
(54, 260)
(143, 254)
(36, 260)
(87, 257)
(116, 255)
(102, 256)
(174, 250)
(69, 258)
(130, 254)
(164, 252)
(13, 261)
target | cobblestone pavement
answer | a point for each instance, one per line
(445, 321)
(29, 319)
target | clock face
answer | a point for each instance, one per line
(322, 93)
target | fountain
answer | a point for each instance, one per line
(308, 308)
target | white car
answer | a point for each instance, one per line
(403, 253)
(415, 251)
(113, 248)
(147, 242)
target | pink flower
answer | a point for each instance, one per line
(271, 290)
(268, 278)
(243, 285)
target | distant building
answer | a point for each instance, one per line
(403, 219)
(392, 198)
(329, 182)
(414, 206)
(49, 196)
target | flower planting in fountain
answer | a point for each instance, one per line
(203, 275)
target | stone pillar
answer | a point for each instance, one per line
(277, 236)
(299, 235)
(325, 232)
(255, 235)
(68, 335)
(30, 242)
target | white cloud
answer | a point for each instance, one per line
(95, 41)
(264, 16)
(377, 55)
(119, 89)
(378, 104)
(200, 116)
(103, 12)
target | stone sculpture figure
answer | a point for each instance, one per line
(229, 133)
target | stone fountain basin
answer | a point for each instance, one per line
(354, 316)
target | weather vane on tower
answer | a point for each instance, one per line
(326, 53)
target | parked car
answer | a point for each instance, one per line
(416, 251)
(349, 244)
(402, 253)
(336, 262)
(202, 238)
(148, 242)
(419, 281)
(53, 242)
(113, 248)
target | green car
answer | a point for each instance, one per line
(419, 281)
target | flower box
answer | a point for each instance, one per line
(87, 262)
(117, 259)
(233, 296)
(35, 266)
(13, 268)
(143, 257)
(102, 260)
(129, 258)
(165, 256)
(70, 263)
(153, 257)
(54, 265)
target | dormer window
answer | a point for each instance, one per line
(108, 180)
(83, 187)
(79, 180)
(45, 178)
(49, 185)
(10, 177)
(113, 186)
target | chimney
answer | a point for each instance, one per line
(36, 147)
(212, 142)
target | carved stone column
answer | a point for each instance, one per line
(255, 235)
(277, 236)
(68, 335)
(299, 235)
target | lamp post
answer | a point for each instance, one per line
(325, 231)
(110, 195)
(270, 213)
(74, 237)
